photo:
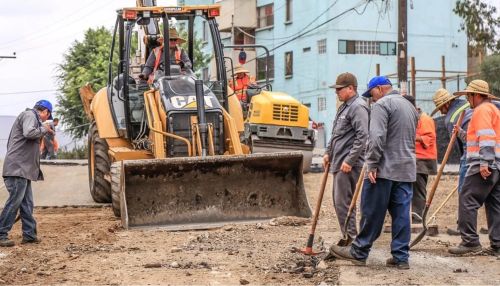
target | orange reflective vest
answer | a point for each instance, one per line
(426, 129)
(240, 87)
(483, 135)
(158, 51)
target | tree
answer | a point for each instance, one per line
(85, 61)
(480, 24)
(201, 59)
(490, 69)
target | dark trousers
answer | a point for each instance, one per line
(376, 199)
(419, 196)
(343, 190)
(477, 191)
(20, 199)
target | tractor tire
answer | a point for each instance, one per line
(99, 166)
(116, 169)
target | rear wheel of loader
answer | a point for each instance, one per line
(99, 164)
(116, 169)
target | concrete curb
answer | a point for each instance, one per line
(64, 162)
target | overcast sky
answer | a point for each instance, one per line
(40, 32)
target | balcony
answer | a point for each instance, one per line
(244, 11)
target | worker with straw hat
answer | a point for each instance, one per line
(177, 56)
(482, 179)
(241, 83)
(451, 106)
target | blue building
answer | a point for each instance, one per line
(314, 41)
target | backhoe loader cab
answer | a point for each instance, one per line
(168, 153)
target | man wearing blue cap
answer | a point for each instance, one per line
(391, 169)
(21, 166)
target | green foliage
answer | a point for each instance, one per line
(201, 59)
(77, 153)
(85, 61)
(490, 69)
(480, 23)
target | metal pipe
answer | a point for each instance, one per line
(202, 120)
(166, 45)
(254, 46)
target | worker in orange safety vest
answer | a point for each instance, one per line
(482, 180)
(243, 80)
(177, 57)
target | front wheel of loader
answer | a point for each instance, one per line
(99, 166)
(116, 169)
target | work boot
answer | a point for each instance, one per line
(6, 242)
(35, 240)
(462, 249)
(401, 265)
(452, 232)
(344, 252)
(345, 241)
(483, 230)
(493, 251)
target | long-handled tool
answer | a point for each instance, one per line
(346, 240)
(308, 250)
(430, 195)
(432, 227)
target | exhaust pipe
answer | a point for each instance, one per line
(202, 120)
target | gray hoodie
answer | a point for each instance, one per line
(23, 148)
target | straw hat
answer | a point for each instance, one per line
(172, 34)
(477, 86)
(440, 98)
(240, 69)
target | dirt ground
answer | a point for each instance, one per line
(86, 245)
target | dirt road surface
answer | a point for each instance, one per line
(86, 245)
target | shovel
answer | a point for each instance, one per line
(346, 240)
(308, 250)
(435, 184)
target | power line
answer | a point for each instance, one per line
(26, 92)
(317, 26)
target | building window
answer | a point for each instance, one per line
(367, 47)
(288, 64)
(387, 48)
(322, 46)
(261, 68)
(205, 31)
(244, 36)
(307, 49)
(289, 11)
(265, 16)
(321, 103)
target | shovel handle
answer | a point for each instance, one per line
(354, 199)
(443, 162)
(320, 198)
(443, 203)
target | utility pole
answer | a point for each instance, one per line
(402, 46)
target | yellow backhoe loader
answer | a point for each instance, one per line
(168, 153)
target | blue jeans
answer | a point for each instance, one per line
(20, 198)
(376, 199)
(461, 174)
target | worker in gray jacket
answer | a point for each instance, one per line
(346, 148)
(391, 167)
(21, 166)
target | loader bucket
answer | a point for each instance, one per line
(200, 193)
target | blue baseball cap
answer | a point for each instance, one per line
(46, 104)
(374, 82)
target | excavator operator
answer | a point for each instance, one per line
(177, 57)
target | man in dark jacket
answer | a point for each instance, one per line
(391, 168)
(21, 166)
(346, 148)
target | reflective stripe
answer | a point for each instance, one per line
(472, 143)
(487, 143)
(483, 132)
(458, 111)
